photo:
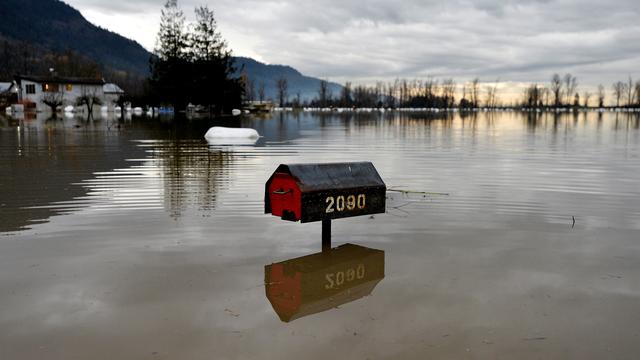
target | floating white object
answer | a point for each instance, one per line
(236, 112)
(232, 141)
(104, 109)
(218, 132)
(68, 109)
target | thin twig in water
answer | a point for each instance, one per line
(416, 192)
(574, 222)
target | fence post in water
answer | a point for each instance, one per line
(326, 234)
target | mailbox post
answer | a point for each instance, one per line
(323, 192)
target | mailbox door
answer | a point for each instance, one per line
(285, 197)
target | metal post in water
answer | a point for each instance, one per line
(326, 234)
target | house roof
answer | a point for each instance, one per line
(5, 86)
(112, 89)
(60, 80)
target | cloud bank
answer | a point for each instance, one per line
(517, 41)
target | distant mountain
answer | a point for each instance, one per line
(54, 25)
(268, 74)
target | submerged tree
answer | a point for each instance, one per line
(570, 86)
(556, 89)
(618, 89)
(601, 95)
(323, 92)
(169, 65)
(193, 66)
(212, 65)
(53, 99)
(282, 85)
(89, 99)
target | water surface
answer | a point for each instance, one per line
(136, 239)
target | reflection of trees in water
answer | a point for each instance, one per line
(42, 163)
(570, 120)
(192, 175)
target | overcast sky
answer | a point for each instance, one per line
(517, 41)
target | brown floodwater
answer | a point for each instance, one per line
(136, 239)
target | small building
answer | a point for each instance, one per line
(112, 93)
(36, 90)
(8, 93)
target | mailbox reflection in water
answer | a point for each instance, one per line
(319, 282)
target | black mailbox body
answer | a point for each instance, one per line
(316, 192)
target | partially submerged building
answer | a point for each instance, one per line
(8, 93)
(112, 93)
(35, 91)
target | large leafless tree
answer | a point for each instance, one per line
(618, 90)
(282, 86)
(556, 89)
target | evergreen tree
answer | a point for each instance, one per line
(169, 63)
(212, 65)
(194, 66)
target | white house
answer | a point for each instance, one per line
(33, 91)
(111, 94)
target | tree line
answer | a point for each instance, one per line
(562, 91)
(417, 93)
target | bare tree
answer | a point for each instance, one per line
(629, 88)
(637, 91)
(556, 89)
(448, 92)
(570, 86)
(492, 95)
(282, 85)
(88, 98)
(475, 92)
(323, 91)
(601, 96)
(545, 96)
(618, 89)
(586, 97)
(249, 88)
(298, 99)
(53, 98)
(261, 92)
(345, 96)
(533, 96)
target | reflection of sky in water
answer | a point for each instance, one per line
(146, 239)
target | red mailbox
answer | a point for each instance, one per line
(317, 192)
(322, 281)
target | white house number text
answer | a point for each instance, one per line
(342, 203)
(339, 278)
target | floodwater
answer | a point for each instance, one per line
(136, 239)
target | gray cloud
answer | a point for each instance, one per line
(341, 40)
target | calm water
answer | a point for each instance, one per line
(138, 240)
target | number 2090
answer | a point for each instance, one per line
(342, 203)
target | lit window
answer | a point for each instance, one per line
(69, 87)
(50, 87)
